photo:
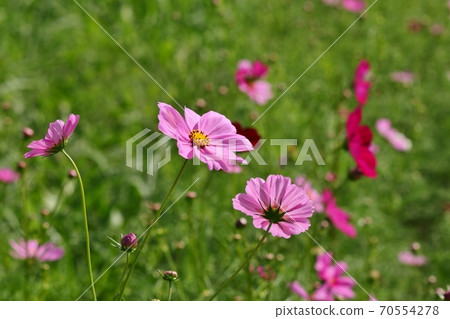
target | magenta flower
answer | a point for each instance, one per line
(313, 194)
(402, 77)
(399, 141)
(31, 250)
(56, 138)
(249, 80)
(210, 137)
(8, 175)
(361, 84)
(410, 259)
(337, 216)
(354, 5)
(276, 201)
(334, 284)
(359, 140)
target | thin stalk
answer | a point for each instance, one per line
(119, 284)
(23, 193)
(226, 282)
(147, 233)
(170, 291)
(86, 227)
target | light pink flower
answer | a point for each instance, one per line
(402, 77)
(210, 137)
(313, 194)
(296, 288)
(249, 80)
(276, 201)
(399, 141)
(408, 258)
(354, 5)
(8, 175)
(334, 284)
(338, 217)
(361, 84)
(31, 250)
(56, 138)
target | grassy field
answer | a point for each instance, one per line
(55, 60)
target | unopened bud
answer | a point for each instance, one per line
(191, 195)
(129, 242)
(27, 132)
(45, 212)
(72, 173)
(355, 174)
(170, 275)
(415, 247)
(21, 166)
(241, 223)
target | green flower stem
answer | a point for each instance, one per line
(170, 291)
(147, 234)
(86, 227)
(226, 282)
(23, 193)
(119, 284)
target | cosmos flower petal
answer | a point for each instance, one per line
(299, 290)
(70, 125)
(169, 119)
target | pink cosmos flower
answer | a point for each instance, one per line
(410, 259)
(56, 138)
(354, 5)
(8, 176)
(210, 137)
(338, 217)
(276, 201)
(313, 194)
(334, 283)
(31, 250)
(249, 80)
(402, 77)
(361, 84)
(359, 139)
(399, 141)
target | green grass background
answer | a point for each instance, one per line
(54, 60)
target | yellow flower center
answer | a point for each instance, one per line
(199, 138)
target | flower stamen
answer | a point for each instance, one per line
(199, 138)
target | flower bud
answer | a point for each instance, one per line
(45, 212)
(21, 166)
(72, 173)
(415, 247)
(241, 223)
(170, 275)
(129, 242)
(27, 132)
(191, 195)
(355, 174)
